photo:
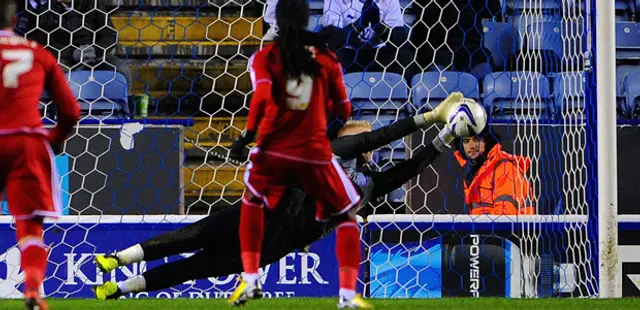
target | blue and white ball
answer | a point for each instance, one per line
(466, 118)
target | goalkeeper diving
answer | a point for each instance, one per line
(292, 225)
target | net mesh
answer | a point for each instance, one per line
(174, 89)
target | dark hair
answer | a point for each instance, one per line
(8, 9)
(292, 17)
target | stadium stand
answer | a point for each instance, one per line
(506, 94)
(191, 58)
(428, 89)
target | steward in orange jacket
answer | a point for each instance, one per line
(495, 181)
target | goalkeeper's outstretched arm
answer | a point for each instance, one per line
(350, 147)
(394, 177)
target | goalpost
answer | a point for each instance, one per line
(127, 180)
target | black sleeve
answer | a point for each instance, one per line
(350, 147)
(386, 181)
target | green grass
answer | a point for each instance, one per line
(318, 303)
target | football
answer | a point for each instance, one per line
(466, 118)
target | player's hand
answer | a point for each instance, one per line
(238, 147)
(237, 151)
(439, 114)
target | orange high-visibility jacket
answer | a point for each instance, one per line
(500, 186)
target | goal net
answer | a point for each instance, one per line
(165, 86)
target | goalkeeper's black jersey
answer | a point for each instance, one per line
(297, 210)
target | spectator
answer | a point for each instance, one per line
(368, 35)
(495, 181)
(452, 30)
(79, 33)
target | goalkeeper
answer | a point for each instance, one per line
(289, 227)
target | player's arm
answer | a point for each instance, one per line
(262, 84)
(338, 92)
(350, 147)
(394, 177)
(68, 108)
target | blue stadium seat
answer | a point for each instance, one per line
(316, 4)
(395, 152)
(381, 119)
(627, 40)
(625, 9)
(544, 5)
(373, 91)
(622, 71)
(428, 89)
(632, 91)
(315, 22)
(568, 89)
(550, 37)
(501, 40)
(511, 93)
(100, 92)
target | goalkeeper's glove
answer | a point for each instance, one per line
(439, 114)
(239, 145)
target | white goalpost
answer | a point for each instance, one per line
(610, 280)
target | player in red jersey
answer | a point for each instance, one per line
(297, 83)
(28, 175)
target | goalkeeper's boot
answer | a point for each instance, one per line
(107, 263)
(33, 301)
(439, 114)
(108, 290)
(354, 303)
(244, 292)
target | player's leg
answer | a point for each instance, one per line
(208, 232)
(33, 193)
(204, 264)
(339, 198)
(264, 186)
(33, 257)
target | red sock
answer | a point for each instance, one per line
(251, 234)
(33, 258)
(34, 264)
(348, 253)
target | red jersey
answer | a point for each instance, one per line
(291, 116)
(27, 69)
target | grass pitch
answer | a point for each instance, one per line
(330, 303)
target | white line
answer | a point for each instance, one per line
(124, 219)
(466, 218)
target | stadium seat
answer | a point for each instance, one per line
(544, 5)
(373, 91)
(625, 10)
(100, 92)
(627, 41)
(501, 40)
(632, 92)
(548, 37)
(428, 89)
(622, 71)
(315, 22)
(515, 93)
(568, 89)
(381, 119)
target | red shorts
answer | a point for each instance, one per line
(268, 175)
(28, 177)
